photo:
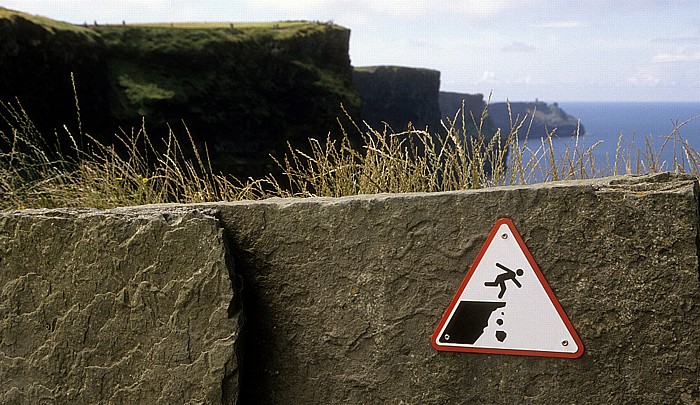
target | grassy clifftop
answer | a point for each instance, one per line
(243, 88)
(44, 23)
(248, 88)
(39, 55)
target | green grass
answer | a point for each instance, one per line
(140, 169)
(281, 30)
(163, 38)
(282, 25)
(48, 24)
(157, 65)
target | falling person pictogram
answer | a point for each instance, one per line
(501, 279)
(528, 322)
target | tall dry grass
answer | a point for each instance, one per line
(133, 171)
(465, 158)
(138, 169)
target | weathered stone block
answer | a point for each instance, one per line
(115, 307)
(342, 295)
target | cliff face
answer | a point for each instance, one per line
(244, 89)
(38, 56)
(451, 103)
(474, 105)
(398, 95)
(247, 91)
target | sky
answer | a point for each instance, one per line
(551, 50)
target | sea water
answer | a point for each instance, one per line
(637, 123)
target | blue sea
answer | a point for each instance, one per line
(605, 121)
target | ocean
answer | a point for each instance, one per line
(605, 121)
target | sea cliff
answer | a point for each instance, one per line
(397, 96)
(243, 89)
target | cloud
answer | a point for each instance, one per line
(676, 57)
(627, 6)
(478, 8)
(481, 7)
(390, 8)
(57, 5)
(488, 77)
(643, 79)
(524, 80)
(690, 39)
(560, 24)
(518, 47)
(79, 11)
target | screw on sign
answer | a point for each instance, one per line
(505, 306)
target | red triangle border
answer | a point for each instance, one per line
(545, 285)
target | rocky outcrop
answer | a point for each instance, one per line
(116, 307)
(547, 118)
(397, 96)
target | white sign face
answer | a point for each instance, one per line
(505, 306)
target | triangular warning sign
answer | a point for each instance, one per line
(505, 306)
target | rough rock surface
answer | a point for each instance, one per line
(342, 295)
(115, 307)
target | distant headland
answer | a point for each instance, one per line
(546, 118)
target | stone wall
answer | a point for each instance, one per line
(340, 298)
